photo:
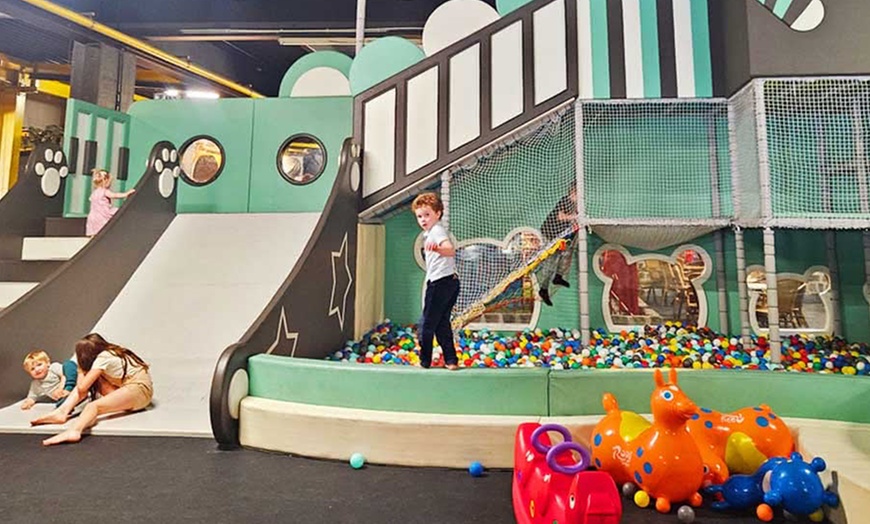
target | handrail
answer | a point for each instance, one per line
(441, 60)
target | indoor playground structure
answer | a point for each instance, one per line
(712, 158)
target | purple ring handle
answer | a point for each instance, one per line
(543, 448)
(581, 465)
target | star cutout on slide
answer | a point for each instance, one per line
(336, 307)
(283, 334)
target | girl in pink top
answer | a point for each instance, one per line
(101, 202)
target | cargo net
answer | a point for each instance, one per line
(504, 211)
(656, 172)
(817, 149)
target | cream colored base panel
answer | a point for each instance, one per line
(845, 447)
(383, 437)
(422, 439)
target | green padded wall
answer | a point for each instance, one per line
(507, 392)
(539, 392)
(854, 312)
(404, 283)
(111, 130)
(804, 395)
(230, 122)
(596, 286)
(277, 119)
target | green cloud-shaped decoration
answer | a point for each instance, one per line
(381, 59)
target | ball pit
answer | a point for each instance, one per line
(668, 345)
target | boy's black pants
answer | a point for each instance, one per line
(440, 297)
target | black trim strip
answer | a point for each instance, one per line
(73, 155)
(616, 44)
(123, 162)
(91, 148)
(667, 48)
(528, 64)
(485, 86)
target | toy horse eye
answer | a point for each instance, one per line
(571, 501)
(706, 469)
(668, 395)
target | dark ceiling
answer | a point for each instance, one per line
(238, 39)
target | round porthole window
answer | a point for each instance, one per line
(301, 159)
(202, 160)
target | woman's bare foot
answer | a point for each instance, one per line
(55, 417)
(69, 435)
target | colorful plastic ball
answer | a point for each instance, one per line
(686, 514)
(475, 469)
(628, 490)
(641, 499)
(357, 460)
(764, 513)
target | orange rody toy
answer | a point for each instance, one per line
(739, 442)
(662, 458)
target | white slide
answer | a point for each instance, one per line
(199, 289)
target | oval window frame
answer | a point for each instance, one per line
(289, 141)
(183, 174)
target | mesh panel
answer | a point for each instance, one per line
(499, 206)
(744, 151)
(656, 160)
(817, 134)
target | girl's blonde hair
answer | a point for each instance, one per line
(101, 178)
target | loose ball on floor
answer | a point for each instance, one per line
(475, 469)
(357, 460)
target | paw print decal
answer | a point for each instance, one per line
(48, 162)
(164, 161)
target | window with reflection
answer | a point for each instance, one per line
(803, 300)
(202, 160)
(301, 159)
(652, 289)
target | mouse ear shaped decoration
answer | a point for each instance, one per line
(163, 160)
(48, 162)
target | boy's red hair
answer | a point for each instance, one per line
(430, 200)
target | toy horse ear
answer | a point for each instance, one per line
(660, 380)
(672, 376)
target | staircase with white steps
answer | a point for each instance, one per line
(40, 257)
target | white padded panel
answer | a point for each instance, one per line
(336, 433)
(453, 21)
(102, 141)
(12, 291)
(379, 165)
(321, 81)
(551, 77)
(683, 48)
(422, 128)
(507, 73)
(51, 248)
(633, 49)
(464, 113)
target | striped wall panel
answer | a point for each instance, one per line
(644, 49)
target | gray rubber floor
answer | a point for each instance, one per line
(168, 480)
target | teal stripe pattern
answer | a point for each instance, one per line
(600, 49)
(781, 8)
(649, 40)
(701, 46)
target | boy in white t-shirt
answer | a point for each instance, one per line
(442, 284)
(52, 381)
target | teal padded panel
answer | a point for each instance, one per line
(388, 388)
(229, 121)
(328, 119)
(802, 395)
